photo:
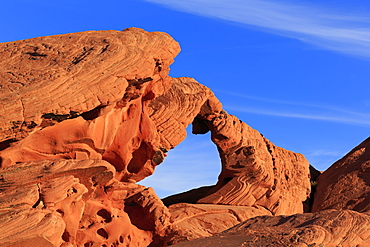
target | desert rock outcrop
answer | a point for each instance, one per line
(346, 184)
(192, 221)
(85, 116)
(329, 228)
(76, 203)
(254, 170)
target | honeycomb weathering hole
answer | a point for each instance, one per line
(105, 215)
(88, 244)
(102, 233)
(65, 236)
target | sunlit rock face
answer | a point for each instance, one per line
(86, 96)
(254, 170)
(85, 116)
(76, 203)
(81, 122)
(325, 228)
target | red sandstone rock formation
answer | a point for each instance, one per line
(342, 187)
(329, 228)
(346, 184)
(76, 203)
(192, 221)
(254, 170)
(85, 116)
(101, 82)
(86, 96)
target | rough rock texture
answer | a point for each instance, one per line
(341, 187)
(254, 170)
(191, 221)
(90, 96)
(78, 77)
(76, 203)
(85, 116)
(77, 73)
(346, 184)
(329, 228)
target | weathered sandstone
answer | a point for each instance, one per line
(85, 116)
(329, 228)
(192, 221)
(76, 203)
(254, 170)
(346, 184)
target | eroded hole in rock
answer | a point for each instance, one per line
(60, 117)
(92, 114)
(199, 126)
(38, 204)
(36, 54)
(65, 236)
(5, 144)
(105, 215)
(60, 211)
(148, 96)
(102, 232)
(140, 157)
(140, 81)
(88, 244)
(194, 163)
(137, 214)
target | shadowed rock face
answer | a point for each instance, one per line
(85, 116)
(346, 184)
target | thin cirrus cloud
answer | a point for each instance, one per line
(323, 27)
(282, 108)
(322, 116)
(322, 152)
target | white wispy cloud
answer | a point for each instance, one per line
(341, 31)
(323, 152)
(285, 108)
(319, 115)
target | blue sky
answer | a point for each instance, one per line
(297, 71)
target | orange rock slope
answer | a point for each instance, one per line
(329, 228)
(85, 116)
(346, 184)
